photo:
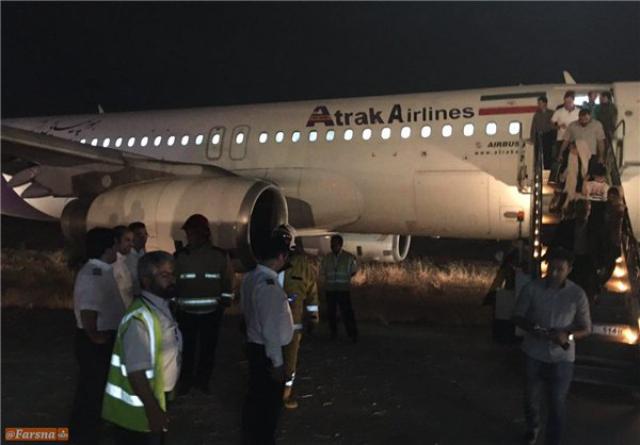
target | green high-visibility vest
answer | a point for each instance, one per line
(120, 404)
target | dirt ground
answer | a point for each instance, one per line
(401, 384)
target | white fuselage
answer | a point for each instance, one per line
(442, 171)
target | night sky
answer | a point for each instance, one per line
(67, 58)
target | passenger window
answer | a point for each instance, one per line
(239, 138)
(262, 138)
(313, 136)
(199, 139)
(425, 132)
(491, 128)
(131, 142)
(83, 141)
(385, 133)
(157, 141)
(144, 141)
(295, 136)
(366, 134)
(405, 132)
(447, 130)
(279, 137)
(216, 135)
(94, 142)
(185, 140)
(348, 134)
(468, 130)
(331, 134)
(514, 128)
(106, 142)
(171, 141)
(118, 142)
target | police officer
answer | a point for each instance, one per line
(204, 281)
(302, 291)
(336, 269)
(269, 327)
(98, 309)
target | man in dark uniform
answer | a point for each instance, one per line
(204, 279)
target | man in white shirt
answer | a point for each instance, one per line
(269, 328)
(561, 119)
(140, 237)
(140, 354)
(98, 309)
(121, 272)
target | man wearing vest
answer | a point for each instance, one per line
(302, 291)
(98, 310)
(336, 269)
(146, 357)
(269, 327)
(205, 287)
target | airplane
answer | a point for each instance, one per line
(377, 169)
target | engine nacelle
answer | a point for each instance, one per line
(242, 212)
(366, 247)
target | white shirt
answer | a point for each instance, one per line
(564, 116)
(266, 311)
(132, 264)
(122, 274)
(136, 346)
(96, 290)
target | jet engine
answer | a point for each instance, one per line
(242, 212)
(366, 247)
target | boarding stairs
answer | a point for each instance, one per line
(611, 354)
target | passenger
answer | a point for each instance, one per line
(553, 312)
(121, 272)
(613, 219)
(595, 187)
(562, 117)
(336, 269)
(145, 363)
(591, 104)
(204, 290)
(302, 290)
(607, 114)
(589, 131)
(584, 272)
(543, 133)
(269, 326)
(98, 310)
(505, 279)
(140, 237)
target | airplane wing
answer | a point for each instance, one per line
(57, 167)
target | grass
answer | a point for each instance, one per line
(412, 291)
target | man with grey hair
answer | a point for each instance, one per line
(146, 357)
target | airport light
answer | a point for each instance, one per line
(619, 272)
(619, 260)
(629, 335)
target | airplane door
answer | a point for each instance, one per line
(214, 143)
(238, 142)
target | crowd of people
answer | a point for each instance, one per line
(554, 311)
(148, 325)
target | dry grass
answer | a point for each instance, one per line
(413, 291)
(32, 279)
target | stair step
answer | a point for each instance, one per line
(621, 378)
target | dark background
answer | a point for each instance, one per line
(62, 58)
